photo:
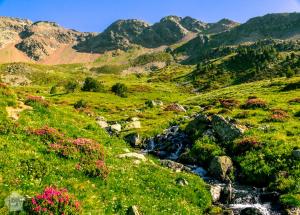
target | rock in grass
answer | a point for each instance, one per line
(134, 125)
(116, 128)
(133, 210)
(101, 121)
(177, 167)
(220, 166)
(182, 182)
(133, 155)
(296, 154)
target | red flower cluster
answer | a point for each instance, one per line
(228, 103)
(246, 144)
(54, 201)
(279, 115)
(36, 99)
(47, 133)
(89, 152)
(255, 103)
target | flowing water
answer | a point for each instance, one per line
(242, 196)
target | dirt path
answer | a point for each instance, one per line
(14, 112)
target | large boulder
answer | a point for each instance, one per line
(220, 166)
(226, 130)
(251, 211)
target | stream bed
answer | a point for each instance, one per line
(242, 196)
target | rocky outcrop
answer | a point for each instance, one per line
(41, 38)
(10, 28)
(215, 191)
(226, 130)
(221, 26)
(220, 167)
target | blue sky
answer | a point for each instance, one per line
(96, 15)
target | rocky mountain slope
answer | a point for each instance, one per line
(276, 26)
(124, 34)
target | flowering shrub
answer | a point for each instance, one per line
(253, 103)
(228, 103)
(279, 115)
(48, 134)
(89, 152)
(31, 100)
(54, 201)
(246, 144)
(295, 100)
(3, 85)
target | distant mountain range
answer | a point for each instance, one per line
(47, 42)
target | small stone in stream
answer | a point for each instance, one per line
(175, 107)
(133, 210)
(133, 139)
(116, 128)
(182, 182)
(215, 191)
(251, 211)
(177, 167)
(228, 212)
(133, 155)
(220, 167)
(227, 194)
(296, 154)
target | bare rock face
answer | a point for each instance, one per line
(226, 130)
(10, 28)
(41, 38)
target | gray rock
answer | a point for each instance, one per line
(215, 191)
(133, 210)
(226, 130)
(116, 128)
(296, 154)
(133, 155)
(134, 125)
(220, 166)
(101, 121)
(251, 211)
(133, 139)
(177, 167)
(182, 182)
